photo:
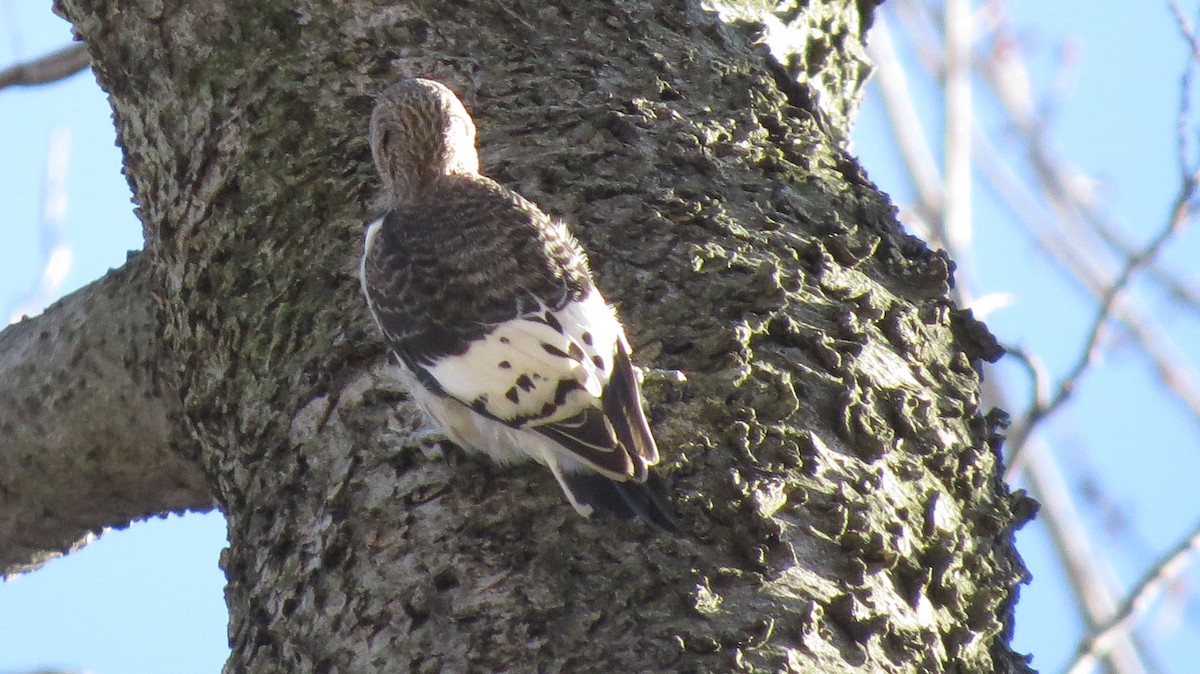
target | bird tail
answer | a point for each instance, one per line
(646, 501)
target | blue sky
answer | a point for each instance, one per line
(150, 598)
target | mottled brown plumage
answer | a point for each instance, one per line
(489, 305)
(448, 273)
(420, 132)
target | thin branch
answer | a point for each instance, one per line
(1039, 380)
(1164, 355)
(1056, 186)
(905, 123)
(1183, 124)
(1181, 213)
(1161, 575)
(1079, 560)
(1177, 289)
(1063, 192)
(49, 68)
(1185, 28)
(1073, 249)
(1082, 564)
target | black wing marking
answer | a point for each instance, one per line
(615, 438)
(591, 437)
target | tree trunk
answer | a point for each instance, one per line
(833, 473)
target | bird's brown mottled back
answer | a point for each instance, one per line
(466, 257)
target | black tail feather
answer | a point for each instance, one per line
(622, 403)
(646, 501)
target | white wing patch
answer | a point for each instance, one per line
(542, 367)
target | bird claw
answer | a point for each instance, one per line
(655, 374)
(428, 440)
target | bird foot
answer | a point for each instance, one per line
(428, 440)
(659, 375)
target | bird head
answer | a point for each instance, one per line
(420, 132)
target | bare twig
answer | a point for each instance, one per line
(1039, 380)
(1005, 75)
(1161, 575)
(1181, 213)
(1083, 564)
(1082, 268)
(1168, 362)
(1177, 289)
(49, 68)
(1185, 28)
(1183, 125)
(1165, 357)
(1065, 218)
(1074, 249)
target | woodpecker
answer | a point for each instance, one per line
(489, 306)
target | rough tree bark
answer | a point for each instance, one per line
(833, 471)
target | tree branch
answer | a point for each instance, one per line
(1100, 640)
(49, 68)
(88, 431)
